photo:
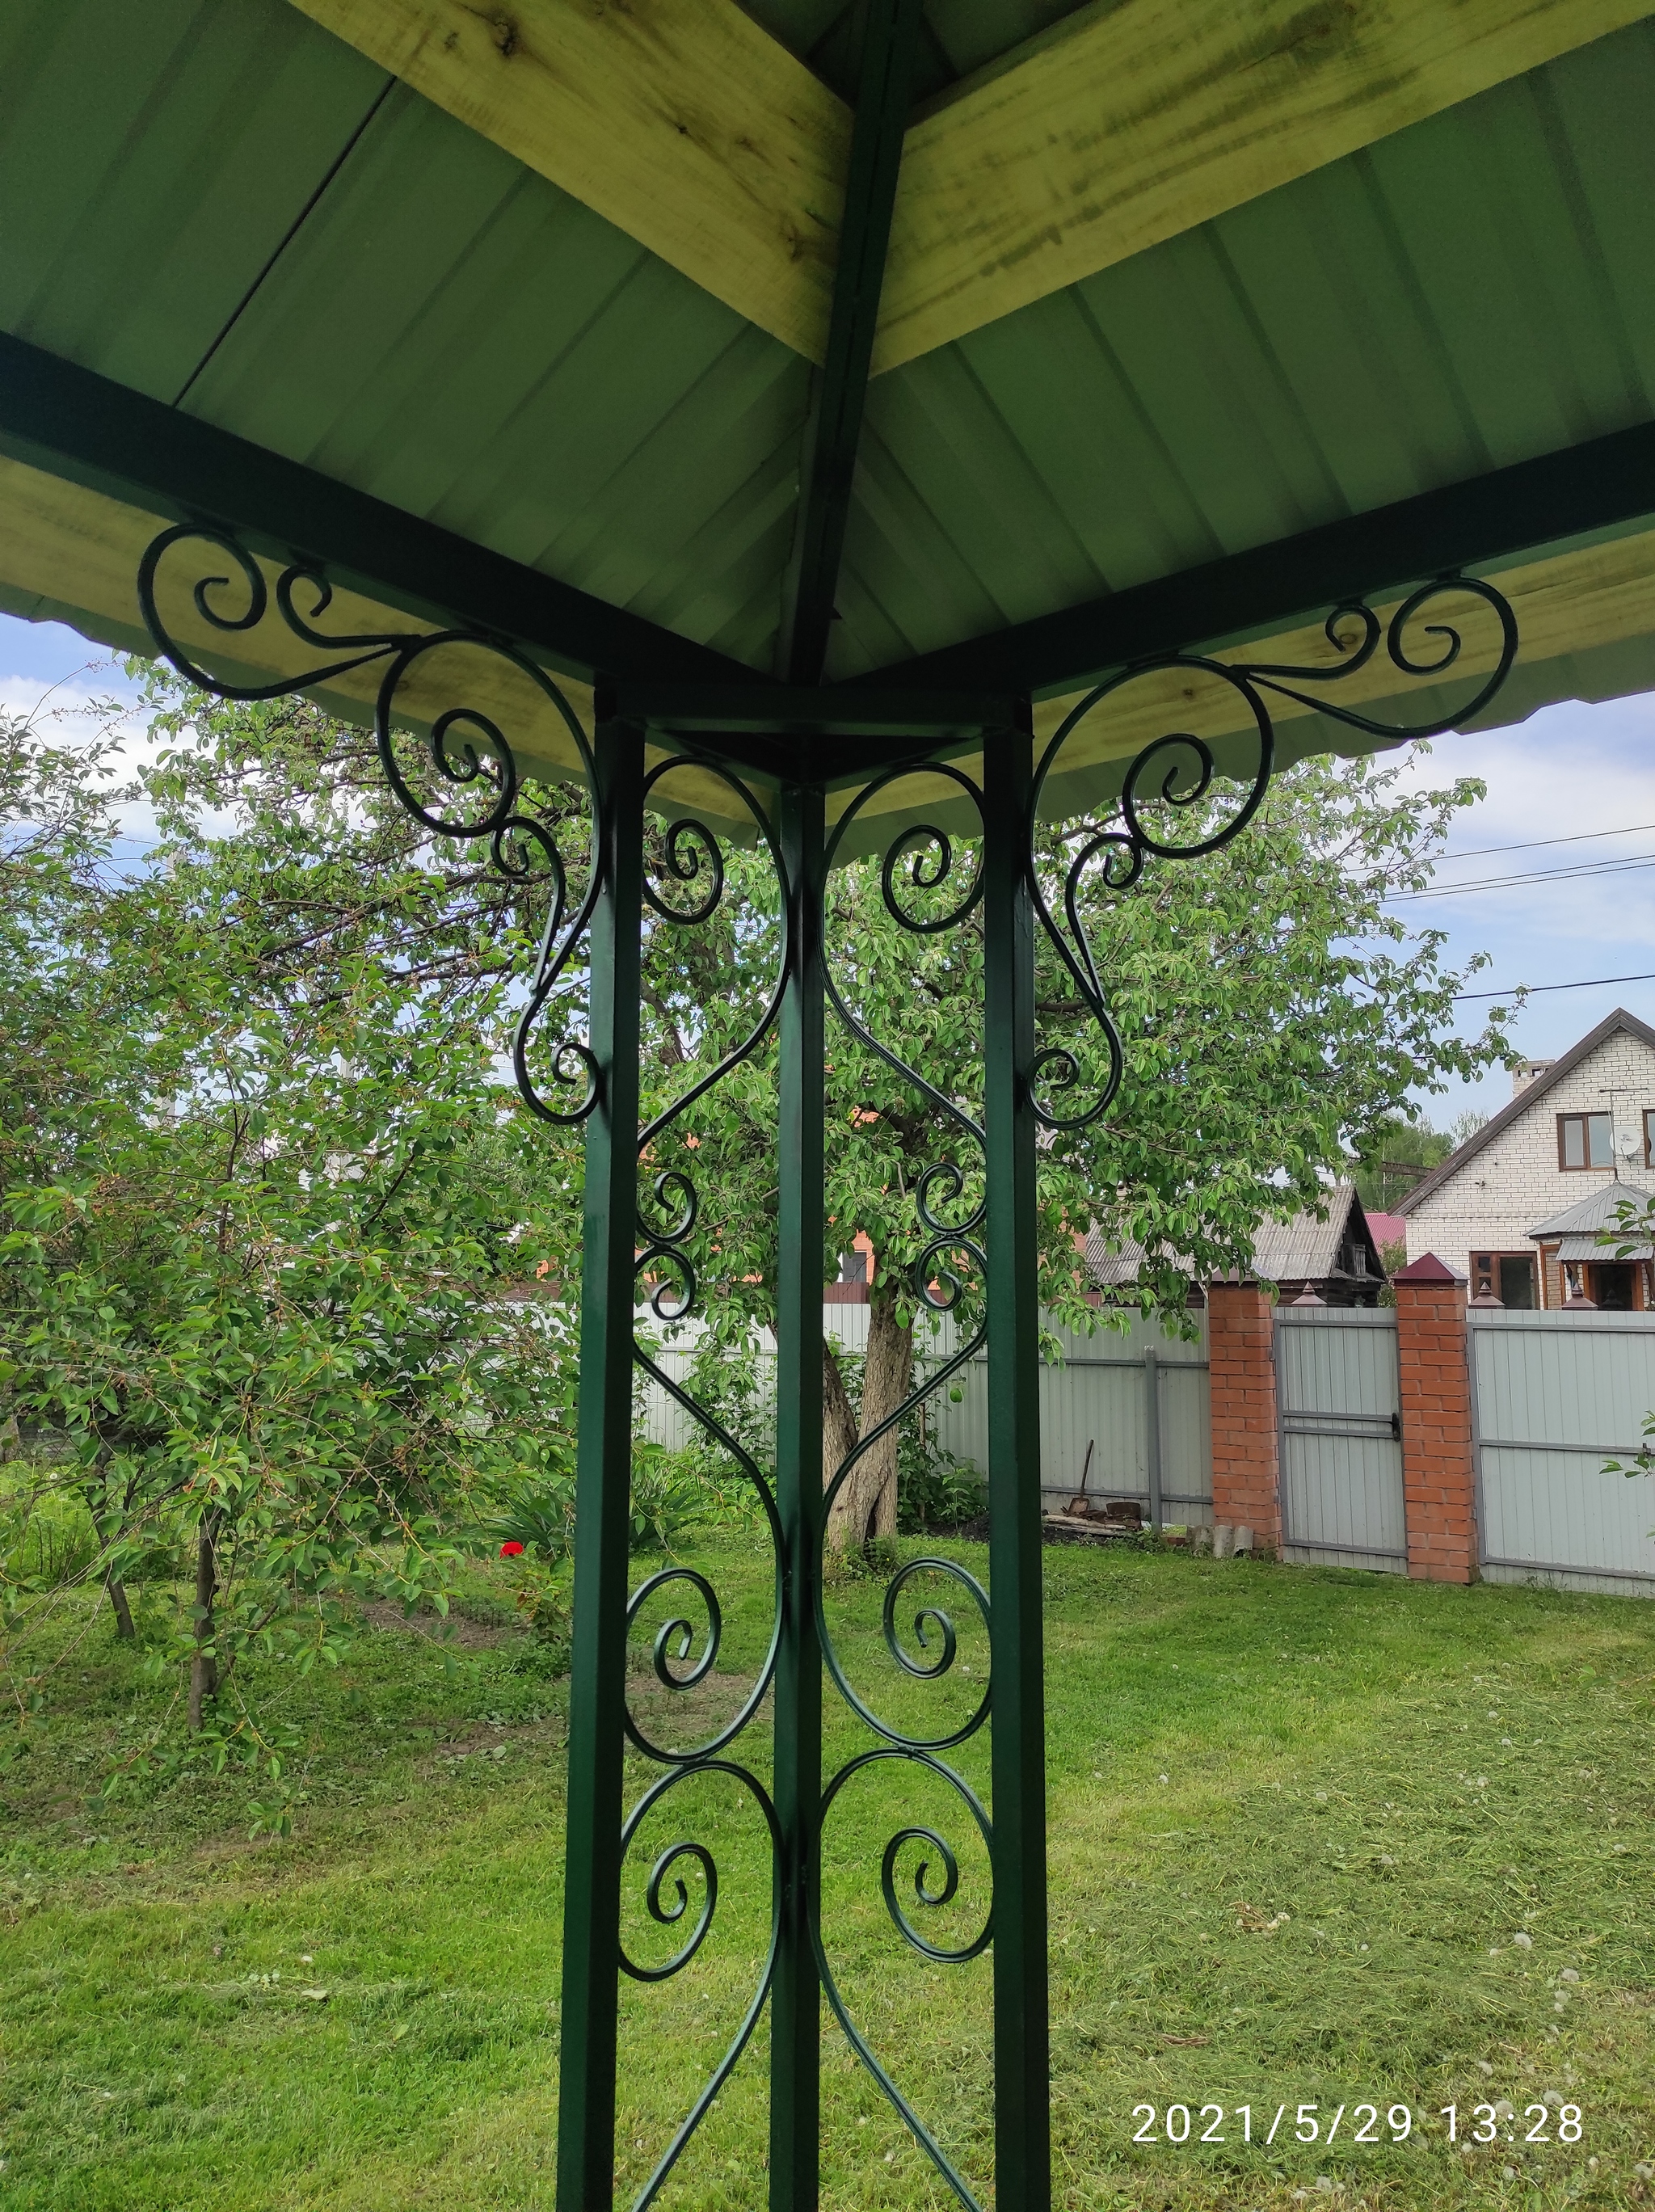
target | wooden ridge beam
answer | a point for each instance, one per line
(690, 128)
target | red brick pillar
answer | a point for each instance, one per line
(1241, 1326)
(1433, 1357)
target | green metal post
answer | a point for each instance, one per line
(794, 2002)
(1023, 2178)
(592, 1909)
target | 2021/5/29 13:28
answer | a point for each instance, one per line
(1358, 2123)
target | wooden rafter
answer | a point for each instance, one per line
(1135, 120)
(690, 129)
(680, 121)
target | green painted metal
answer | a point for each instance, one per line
(839, 392)
(796, 1997)
(1022, 2114)
(449, 334)
(585, 2167)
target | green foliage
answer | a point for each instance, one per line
(265, 1196)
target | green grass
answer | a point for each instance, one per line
(1228, 1743)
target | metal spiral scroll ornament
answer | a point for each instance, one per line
(921, 859)
(687, 891)
(466, 747)
(1177, 770)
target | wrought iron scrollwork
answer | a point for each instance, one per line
(927, 891)
(1177, 770)
(686, 889)
(466, 747)
(672, 1863)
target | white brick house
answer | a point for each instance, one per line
(1575, 1127)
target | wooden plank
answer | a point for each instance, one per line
(1567, 604)
(1134, 120)
(71, 554)
(681, 121)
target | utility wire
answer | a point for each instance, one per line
(1628, 864)
(1583, 837)
(1586, 983)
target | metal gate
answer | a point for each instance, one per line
(1338, 1411)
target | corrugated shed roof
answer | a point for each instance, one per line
(1303, 1248)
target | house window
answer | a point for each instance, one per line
(1649, 1136)
(1508, 1276)
(1584, 1141)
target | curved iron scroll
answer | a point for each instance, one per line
(466, 747)
(915, 886)
(1177, 770)
(689, 888)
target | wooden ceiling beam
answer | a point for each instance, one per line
(1134, 120)
(699, 135)
(680, 121)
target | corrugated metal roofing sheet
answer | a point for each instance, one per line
(226, 205)
(1474, 289)
(1302, 1250)
(956, 36)
(442, 328)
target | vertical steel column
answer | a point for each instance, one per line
(1152, 1431)
(795, 2000)
(1022, 2176)
(592, 1909)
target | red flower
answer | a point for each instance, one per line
(511, 1551)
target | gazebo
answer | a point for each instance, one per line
(844, 427)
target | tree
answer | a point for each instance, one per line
(1275, 1010)
(264, 1187)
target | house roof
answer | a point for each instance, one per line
(1304, 1248)
(1619, 1020)
(1576, 1228)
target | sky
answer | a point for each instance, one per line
(1571, 771)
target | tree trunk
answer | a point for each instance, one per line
(123, 1628)
(866, 1507)
(203, 1667)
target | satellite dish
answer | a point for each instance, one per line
(1628, 1144)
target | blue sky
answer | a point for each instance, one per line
(1569, 772)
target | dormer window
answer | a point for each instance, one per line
(1585, 1140)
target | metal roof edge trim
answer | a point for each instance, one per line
(73, 423)
(1572, 492)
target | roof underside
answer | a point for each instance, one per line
(238, 214)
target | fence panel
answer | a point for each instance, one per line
(1337, 1405)
(1553, 1395)
(1097, 1396)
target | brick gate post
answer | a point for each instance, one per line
(1247, 1493)
(1433, 1361)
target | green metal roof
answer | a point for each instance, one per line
(232, 211)
(1474, 289)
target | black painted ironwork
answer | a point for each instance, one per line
(975, 1207)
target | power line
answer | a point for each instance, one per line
(1627, 866)
(1586, 983)
(1583, 837)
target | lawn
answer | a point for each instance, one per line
(1316, 1839)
